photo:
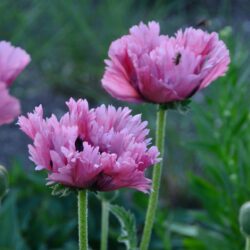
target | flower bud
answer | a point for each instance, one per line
(3, 181)
(244, 219)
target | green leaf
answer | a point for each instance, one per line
(128, 226)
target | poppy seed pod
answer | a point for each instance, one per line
(244, 219)
(3, 181)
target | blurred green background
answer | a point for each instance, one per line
(207, 168)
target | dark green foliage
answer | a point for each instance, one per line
(10, 227)
(30, 218)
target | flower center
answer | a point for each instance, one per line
(51, 164)
(79, 144)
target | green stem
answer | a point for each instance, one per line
(83, 219)
(105, 225)
(157, 170)
(247, 243)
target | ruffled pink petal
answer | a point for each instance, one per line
(119, 87)
(33, 123)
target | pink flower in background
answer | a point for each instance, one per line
(101, 149)
(144, 66)
(12, 61)
(9, 106)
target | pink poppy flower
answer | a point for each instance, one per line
(145, 66)
(9, 106)
(12, 62)
(100, 149)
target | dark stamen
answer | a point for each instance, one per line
(79, 144)
(51, 163)
(177, 58)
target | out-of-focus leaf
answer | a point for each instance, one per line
(10, 234)
(185, 230)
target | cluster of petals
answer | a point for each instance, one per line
(147, 66)
(101, 149)
(12, 61)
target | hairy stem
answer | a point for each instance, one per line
(83, 219)
(156, 180)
